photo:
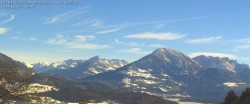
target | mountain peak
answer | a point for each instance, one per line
(167, 53)
(95, 58)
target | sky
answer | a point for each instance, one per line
(124, 29)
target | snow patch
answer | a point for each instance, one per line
(233, 84)
(39, 88)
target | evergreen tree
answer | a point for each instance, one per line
(231, 98)
(245, 97)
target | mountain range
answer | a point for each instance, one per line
(169, 73)
(79, 69)
(51, 88)
(164, 73)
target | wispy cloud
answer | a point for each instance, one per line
(242, 44)
(214, 54)
(24, 38)
(243, 47)
(205, 40)
(12, 17)
(78, 42)
(135, 44)
(59, 18)
(128, 43)
(156, 24)
(3, 30)
(109, 30)
(168, 21)
(159, 36)
(156, 45)
(135, 51)
(89, 23)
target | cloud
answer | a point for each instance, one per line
(134, 44)
(244, 47)
(128, 43)
(109, 30)
(89, 23)
(204, 40)
(78, 42)
(168, 21)
(3, 30)
(158, 26)
(81, 38)
(12, 17)
(6, 18)
(159, 36)
(65, 16)
(58, 40)
(135, 51)
(155, 45)
(212, 54)
(243, 44)
(24, 38)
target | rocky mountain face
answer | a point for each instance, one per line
(169, 73)
(79, 69)
(7, 63)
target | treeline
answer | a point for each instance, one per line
(233, 98)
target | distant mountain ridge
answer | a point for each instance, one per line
(79, 69)
(45, 66)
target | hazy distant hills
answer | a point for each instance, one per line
(168, 73)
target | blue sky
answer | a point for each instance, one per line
(126, 29)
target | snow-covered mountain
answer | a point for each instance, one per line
(223, 63)
(78, 69)
(46, 66)
(168, 73)
(224, 71)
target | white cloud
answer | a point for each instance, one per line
(58, 40)
(128, 43)
(159, 36)
(86, 46)
(204, 40)
(24, 38)
(156, 45)
(90, 23)
(12, 17)
(3, 30)
(78, 42)
(158, 26)
(213, 54)
(135, 51)
(109, 30)
(81, 38)
(168, 21)
(65, 16)
(243, 44)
